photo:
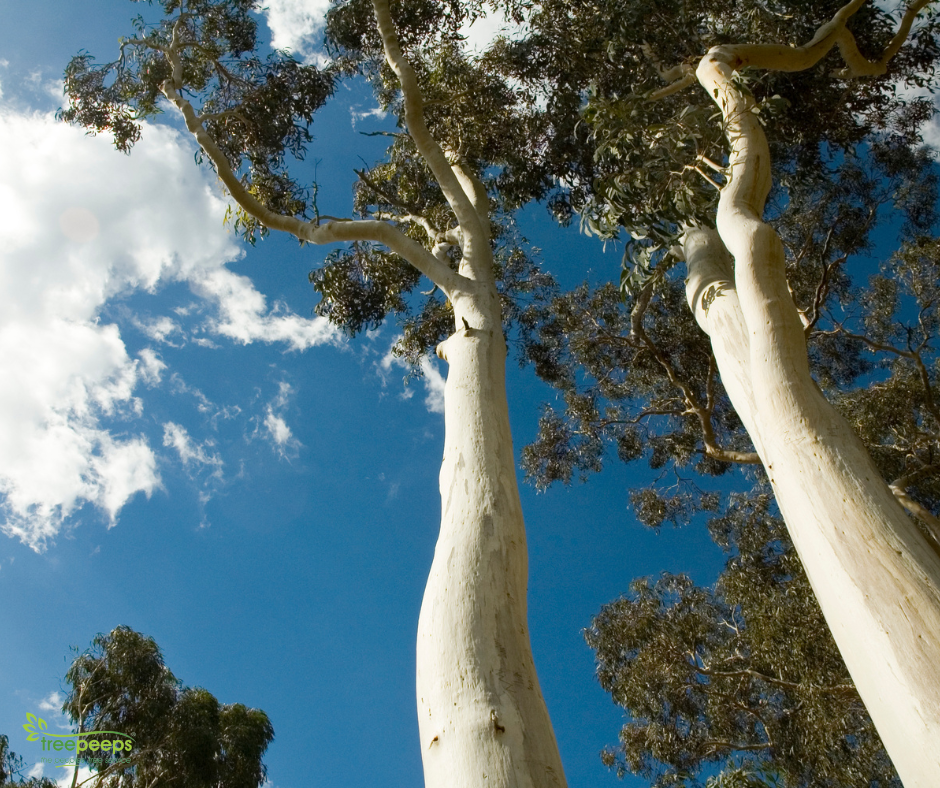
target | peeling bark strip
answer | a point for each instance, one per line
(875, 575)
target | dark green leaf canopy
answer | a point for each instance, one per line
(258, 109)
(182, 736)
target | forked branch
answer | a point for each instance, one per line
(313, 232)
(694, 406)
(457, 196)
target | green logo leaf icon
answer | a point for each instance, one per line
(34, 722)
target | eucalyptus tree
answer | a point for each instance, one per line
(181, 735)
(659, 160)
(482, 717)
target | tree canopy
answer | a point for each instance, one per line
(13, 770)
(638, 377)
(182, 735)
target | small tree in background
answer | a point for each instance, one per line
(13, 770)
(182, 735)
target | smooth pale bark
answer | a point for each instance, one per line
(481, 715)
(876, 576)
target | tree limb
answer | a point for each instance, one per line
(427, 146)
(313, 232)
(856, 63)
(899, 488)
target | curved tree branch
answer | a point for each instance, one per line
(856, 63)
(454, 192)
(335, 231)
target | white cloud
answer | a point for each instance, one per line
(74, 232)
(375, 112)
(151, 366)
(52, 702)
(179, 386)
(81, 224)
(51, 707)
(434, 383)
(194, 456)
(481, 33)
(297, 25)
(65, 781)
(431, 377)
(284, 392)
(159, 329)
(275, 426)
(278, 430)
(244, 315)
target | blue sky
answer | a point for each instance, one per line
(187, 451)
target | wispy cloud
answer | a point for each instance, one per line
(65, 781)
(194, 456)
(273, 427)
(159, 329)
(244, 315)
(151, 366)
(356, 115)
(52, 702)
(431, 377)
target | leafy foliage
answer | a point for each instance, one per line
(632, 159)
(474, 114)
(742, 677)
(258, 110)
(12, 766)
(569, 114)
(182, 735)
(638, 379)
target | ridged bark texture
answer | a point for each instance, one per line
(481, 715)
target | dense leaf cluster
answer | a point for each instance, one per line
(257, 109)
(741, 678)
(182, 735)
(625, 160)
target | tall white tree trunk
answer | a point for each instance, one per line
(482, 718)
(876, 576)
(481, 715)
